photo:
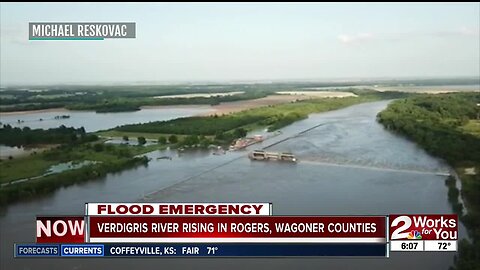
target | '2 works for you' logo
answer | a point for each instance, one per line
(423, 227)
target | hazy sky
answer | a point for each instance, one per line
(194, 42)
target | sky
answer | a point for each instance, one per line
(243, 42)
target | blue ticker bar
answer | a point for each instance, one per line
(200, 250)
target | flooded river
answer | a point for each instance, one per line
(349, 165)
(93, 121)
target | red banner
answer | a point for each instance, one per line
(230, 227)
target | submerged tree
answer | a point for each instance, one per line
(141, 140)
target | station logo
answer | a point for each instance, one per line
(423, 227)
(414, 235)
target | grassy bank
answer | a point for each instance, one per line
(446, 126)
(15, 168)
(105, 158)
(273, 117)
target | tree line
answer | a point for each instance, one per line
(435, 122)
(15, 136)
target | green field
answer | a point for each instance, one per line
(472, 127)
(15, 169)
(38, 164)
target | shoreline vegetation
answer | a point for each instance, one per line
(35, 181)
(15, 136)
(448, 126)
(26, 177)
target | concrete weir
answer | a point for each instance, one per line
(346, 165)
(262, 155)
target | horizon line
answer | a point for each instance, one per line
(248, 81)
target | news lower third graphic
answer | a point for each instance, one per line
(81, 31)
(232, 230)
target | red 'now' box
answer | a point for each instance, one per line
(64, 229)
(423, 227)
